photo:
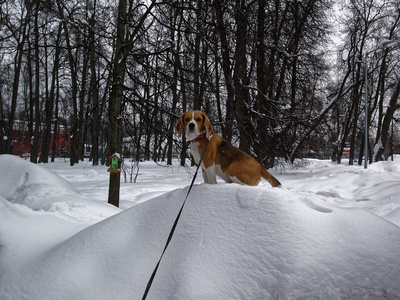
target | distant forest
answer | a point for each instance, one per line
(280, 79)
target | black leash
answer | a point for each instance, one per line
(150, 282)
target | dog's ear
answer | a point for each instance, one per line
(207, 125)
(179, 126)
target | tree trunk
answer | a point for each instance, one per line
(74, 90)
(174, 82)
(44, 154)
(55, 136)
(82, 106)
(226, 67)
(263, 145)
(115, 105)
(17, 74)
(393, 106)
(36, 133)
(240, 79)
(94, 92)
(196, 72)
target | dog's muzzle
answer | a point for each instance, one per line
(191, 132)
(191, 126)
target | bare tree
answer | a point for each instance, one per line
(19, 34)
(123, 44)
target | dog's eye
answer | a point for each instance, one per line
(198, 120)
(187, 120)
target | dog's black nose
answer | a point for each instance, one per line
(191, 126)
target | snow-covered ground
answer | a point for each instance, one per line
(331, 232)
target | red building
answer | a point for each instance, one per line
(21, 140)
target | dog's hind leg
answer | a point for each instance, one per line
(246, 180)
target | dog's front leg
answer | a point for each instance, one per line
(209, 175)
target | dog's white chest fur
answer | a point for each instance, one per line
(209, 174)
(194, 150)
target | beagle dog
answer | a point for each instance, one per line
(221, 158)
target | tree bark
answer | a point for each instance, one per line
(74, 90)
(197, 101)
(226, 67)
(393, 106)
(16, 80)
(94, 91)
(123, 45)
(36, 99)
(115, 105)
(240, 79)
(44, 154)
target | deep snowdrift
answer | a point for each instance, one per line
(232, 242)
(40, 189)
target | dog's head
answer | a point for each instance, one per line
(195, 123)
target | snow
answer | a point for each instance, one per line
(331, 232)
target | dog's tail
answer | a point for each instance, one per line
(271, 179)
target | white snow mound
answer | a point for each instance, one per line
(232, 242)
(38, 188)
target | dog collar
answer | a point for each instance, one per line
(202, 136)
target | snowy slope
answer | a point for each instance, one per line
(304, 241)
(40, 189)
